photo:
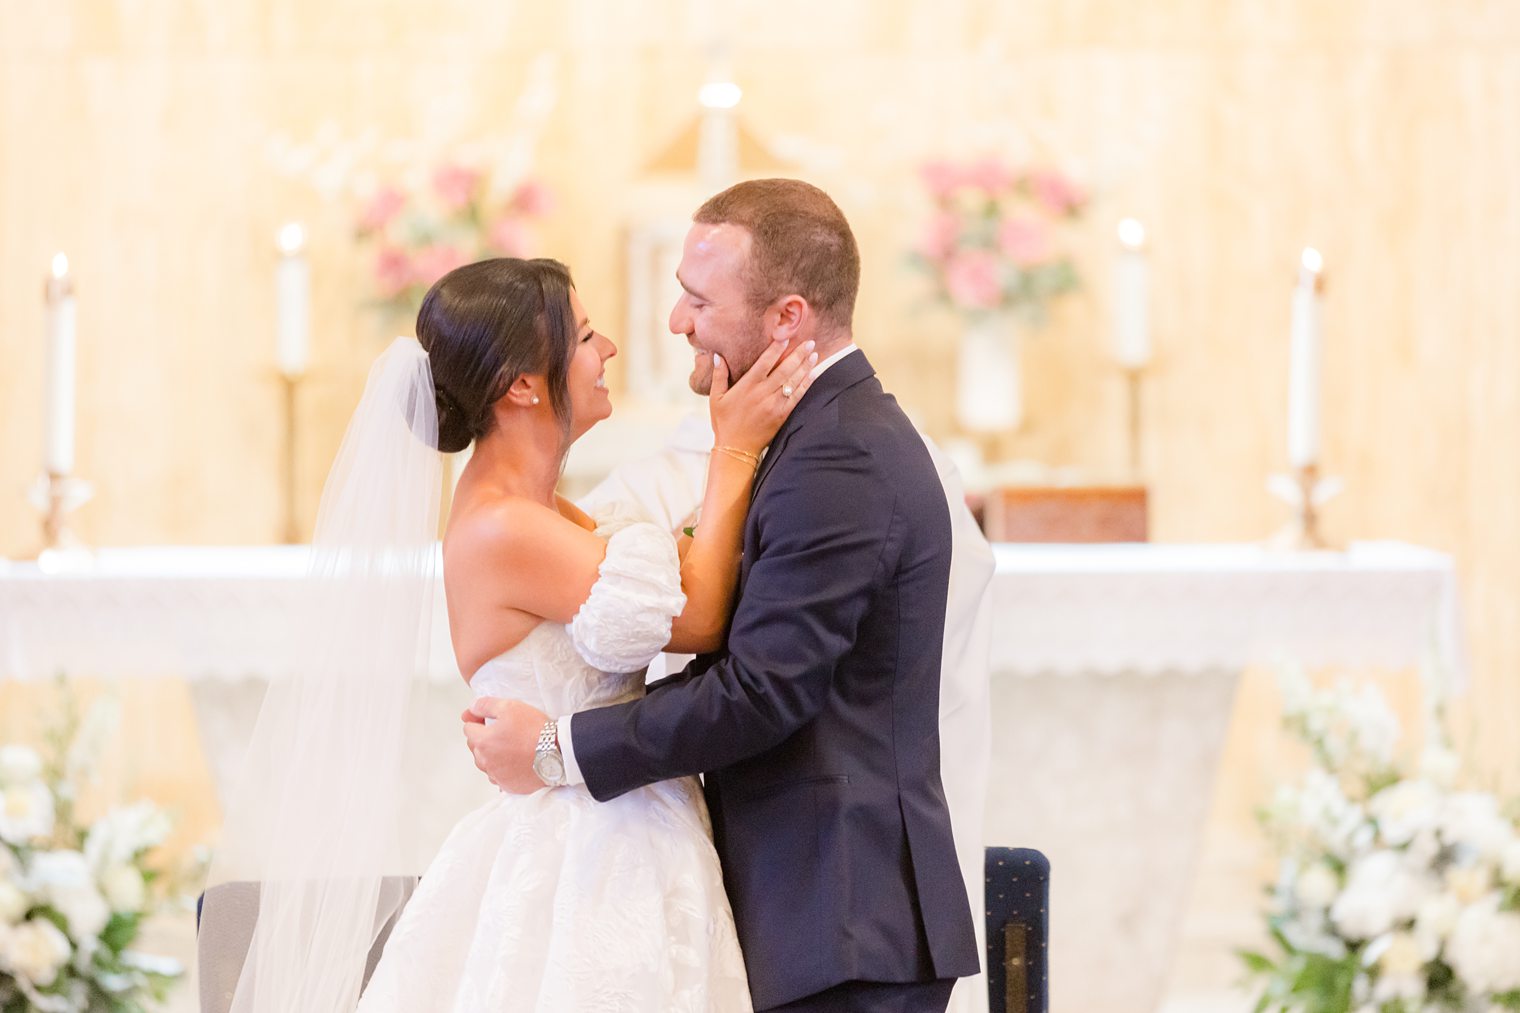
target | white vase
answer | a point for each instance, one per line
(989, 395)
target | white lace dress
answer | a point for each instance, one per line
(554, 902)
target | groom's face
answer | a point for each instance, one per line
(714, 312)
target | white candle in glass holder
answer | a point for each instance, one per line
(293, 301)
(1304, 364)
(58, 439)
(1131, 298)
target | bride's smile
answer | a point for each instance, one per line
(590, 401)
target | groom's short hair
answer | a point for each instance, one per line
(800, 243)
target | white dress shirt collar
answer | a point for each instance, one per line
(818, 370)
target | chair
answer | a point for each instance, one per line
(224, 919)
(1018, 930)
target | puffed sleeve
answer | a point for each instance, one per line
(626, 620)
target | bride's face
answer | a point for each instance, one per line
(587, 377)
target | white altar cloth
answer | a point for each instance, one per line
(187, 611)
(225, 612)
(1197, 608)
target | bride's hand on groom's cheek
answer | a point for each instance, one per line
(747, 414)
(503, 749)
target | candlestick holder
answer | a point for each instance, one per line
(289, 386)
(1306, 493)
(56, 496)
(1132, 377)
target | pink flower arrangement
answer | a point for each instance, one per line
(938, 240)
(437, 260)
(992, 243)
(509, 235)
(532, 198)
(458, 218)
(1025, 241)
(973, 279)
(455, 185)
(382, 205)
(393, 271)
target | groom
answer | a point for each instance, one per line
(817, 724)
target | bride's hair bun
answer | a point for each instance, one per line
(484, 325)
(453, 427)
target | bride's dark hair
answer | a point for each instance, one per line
(484, 325)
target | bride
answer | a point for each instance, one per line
(550, 901)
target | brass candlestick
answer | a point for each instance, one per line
(1305, 492)
(289, 383)
(1306, 519)
(1132, 376)
(56, 496)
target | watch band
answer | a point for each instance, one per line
(548, 762)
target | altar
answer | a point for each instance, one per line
(1114, 668)
(1115, 674)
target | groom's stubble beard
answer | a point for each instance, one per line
(739, 358)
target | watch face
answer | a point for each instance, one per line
(549, 768)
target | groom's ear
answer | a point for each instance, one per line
(788, 316)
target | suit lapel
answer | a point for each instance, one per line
(841, 376)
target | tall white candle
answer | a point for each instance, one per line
(1131, 298)
(293, 301)
(718, 132)
(1304, 364)
(58, 440)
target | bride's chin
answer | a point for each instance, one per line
(581, 428)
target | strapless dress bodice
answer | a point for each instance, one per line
(545, 670)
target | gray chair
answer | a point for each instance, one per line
(224, 919)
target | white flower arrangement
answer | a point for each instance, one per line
(1397, 892)
(73, 896)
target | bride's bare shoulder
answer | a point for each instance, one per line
(533, 557)
(500, 523)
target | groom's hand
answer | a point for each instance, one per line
(504, 748)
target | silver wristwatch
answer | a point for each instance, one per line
(548, 762)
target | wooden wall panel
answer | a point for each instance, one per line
(1387, 132)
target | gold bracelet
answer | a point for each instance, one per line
(753, 460)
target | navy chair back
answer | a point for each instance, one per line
(1018, 930)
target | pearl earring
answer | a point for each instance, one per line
(535, 399)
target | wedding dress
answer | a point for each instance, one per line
(554, 902)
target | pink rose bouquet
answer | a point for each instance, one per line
(417, 238)
(992, 243)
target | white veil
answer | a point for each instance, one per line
(319, 818)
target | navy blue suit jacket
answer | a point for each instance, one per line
(818, 725)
